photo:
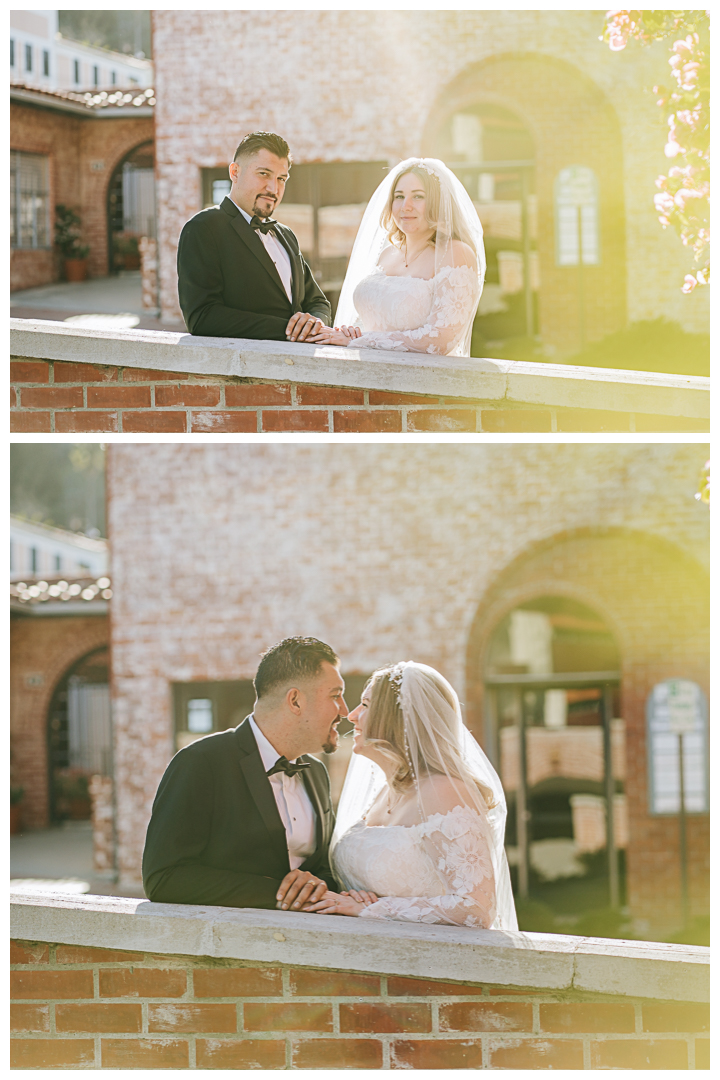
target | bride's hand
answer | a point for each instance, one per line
(326, 336)
(345, 903)
(350, 331)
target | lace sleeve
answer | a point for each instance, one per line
(454, 305)
(459, 845)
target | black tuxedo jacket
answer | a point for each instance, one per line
(215, 835)
(229, 286)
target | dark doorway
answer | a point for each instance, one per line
(131, 208)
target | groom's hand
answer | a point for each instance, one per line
(299, 887)
(301, 325)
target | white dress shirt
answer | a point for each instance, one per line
(293, 802)
(277, 252)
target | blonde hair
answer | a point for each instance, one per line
(384, 729)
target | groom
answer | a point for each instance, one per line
(241, 274)
(243, 818)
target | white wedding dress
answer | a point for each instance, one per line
(440, 871)
(413, 314)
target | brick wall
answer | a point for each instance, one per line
(57, 396)
(42, 650)
(80, 1007)
(582, 103)
(83, 153)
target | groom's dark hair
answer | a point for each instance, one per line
(295, 658)
(263, 140)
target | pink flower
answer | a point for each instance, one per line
(672, 148)
(690, 283)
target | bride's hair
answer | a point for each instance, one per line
(436, 750)
(431, 184)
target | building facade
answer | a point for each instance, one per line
(556, 137)
(555, 586)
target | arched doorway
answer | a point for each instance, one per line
(492, 152)
(79, 735)
(131, 207)
(552, 678)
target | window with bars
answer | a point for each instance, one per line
(29, 200)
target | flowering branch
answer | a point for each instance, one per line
(683, 201)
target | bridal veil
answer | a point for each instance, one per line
(457, 220)
(436, 737)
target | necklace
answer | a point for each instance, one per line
(407, 264)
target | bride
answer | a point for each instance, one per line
(421, 819)
(417, 267)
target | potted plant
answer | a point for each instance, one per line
(16, 794)
(67, 240)
(127, 252)
(72, 794)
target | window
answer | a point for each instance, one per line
(76, 70)
(28, 58)
(58, 562)
(12, 52)
(96, 75)
(33, 560)
(113, 78)
(29, 201)
(46, 62)
(577, 237)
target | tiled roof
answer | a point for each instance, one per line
(94, 100)
(54, 592)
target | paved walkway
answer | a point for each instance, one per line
(105, 303)
(58, 860)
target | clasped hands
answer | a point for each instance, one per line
(302, 891)
(308, 328)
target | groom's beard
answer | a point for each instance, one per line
(329, 748)
(264, 213)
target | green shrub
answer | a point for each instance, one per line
(652, 345)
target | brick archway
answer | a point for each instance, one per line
(655, 599)
(571, 123)
(42, 651)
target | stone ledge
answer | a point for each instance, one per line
(502, 381)
(547, 961)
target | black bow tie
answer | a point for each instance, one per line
(263, 226)
(283, 765)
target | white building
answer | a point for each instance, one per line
(44, 551)
(40, 56)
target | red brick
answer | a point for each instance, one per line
(644, 422)
(515, 420)
(702, 1053)
(148, 375)
(168, 1017)
(237, 982)
(29, 1017)
(51, 985)
(337, 1054)
(294, 420)
(589, 1016)
(365, 420)
(385, 1018)
(287, 1016)
(224, 421)
(436, 1054)
(144, 1053)
(118, 397)
(486, 1016)
(187, 394)
(13, 397)
(22, 421)
(402, 987)
(83, 373)
(96, 1016)
(328, 395)
(154, 421)
(51, 1053)
(240, 1053)
(29, 371)
(142, 982)
(639, 1054)
(676, 1016)
(85, 420)
(592, 420)
(29, 952)
(309, 983)
(254, 394)
(52, 397)
(536, 1054)
(385, 397)
(441, 420)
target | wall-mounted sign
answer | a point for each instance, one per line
(577, 217)
(677, 709)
